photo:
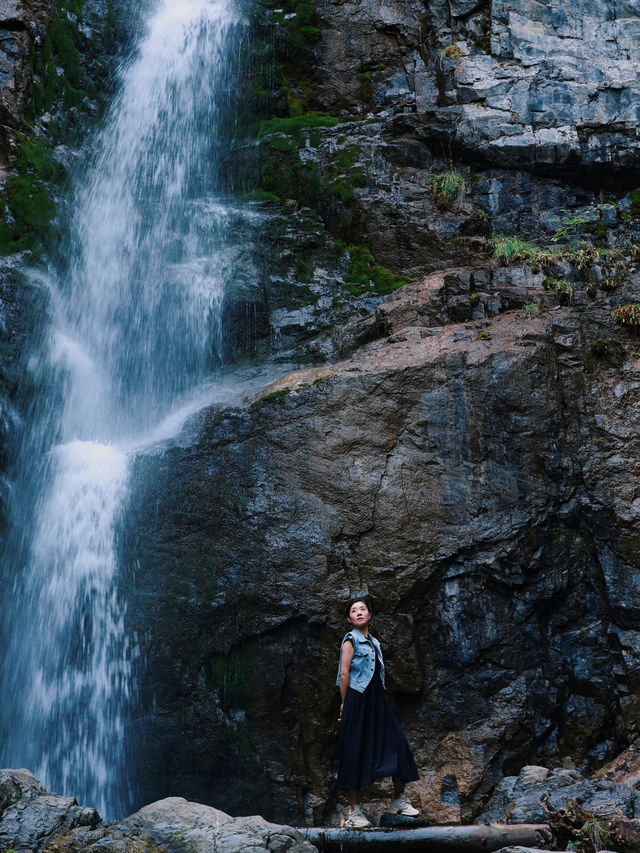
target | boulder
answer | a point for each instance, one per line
(33, 820)
(30, 815)
(528, 797)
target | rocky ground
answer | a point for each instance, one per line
(34, 820)
(573, 813)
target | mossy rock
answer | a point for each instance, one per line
(365, 275)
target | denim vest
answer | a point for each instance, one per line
(363, 663)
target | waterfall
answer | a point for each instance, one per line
(135, 329)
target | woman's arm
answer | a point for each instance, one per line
(345, 667)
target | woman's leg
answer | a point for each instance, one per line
(354, 797)
(398, 787)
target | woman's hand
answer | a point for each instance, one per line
(340, 713)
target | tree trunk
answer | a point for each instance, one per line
(465, 839)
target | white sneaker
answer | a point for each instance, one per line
(401, 805)
(356, 819)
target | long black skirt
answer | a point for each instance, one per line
(372, 744)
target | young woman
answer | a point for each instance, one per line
(372, 745)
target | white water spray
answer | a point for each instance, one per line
(135, 327)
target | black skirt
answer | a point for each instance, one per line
(372, 745)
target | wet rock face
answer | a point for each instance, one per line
(20, 23)
(475, 475)
(358, 39)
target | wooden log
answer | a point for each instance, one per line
(453, 839)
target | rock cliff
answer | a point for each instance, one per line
(476, 477)
(466, 452)
(462, 447)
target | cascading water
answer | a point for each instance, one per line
(135, 326)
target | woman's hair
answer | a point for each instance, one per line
(363, 598)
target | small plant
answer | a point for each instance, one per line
(581, 256)
(452, 51)
(448, 187)
(593, 835)
(530, 310)
(562, 287)
(570, 225)
(483, 336)
(513, 249)
(627, 315)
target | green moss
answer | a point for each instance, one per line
(29, 201)
(367, 87)
(635, 202)
(365, 275)
(32, 155)
(60, 36)
(282, 143)
(283, 174)
(292, 125)
(343, 159)
(342, 190)
(58, 67)
(272, 397)
(304, 270)
(230, 677)
(30, 210)
(261, 195)
(275, 176)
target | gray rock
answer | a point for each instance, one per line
(32, 819)
(559, 88)
(194, 828)
(30, 815)
(523, 798)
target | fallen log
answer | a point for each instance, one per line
(454, 839)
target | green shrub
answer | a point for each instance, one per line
(562, 287)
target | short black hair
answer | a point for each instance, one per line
(363, 598)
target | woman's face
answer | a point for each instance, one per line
(359, 615)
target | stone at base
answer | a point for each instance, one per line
(403, 820)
